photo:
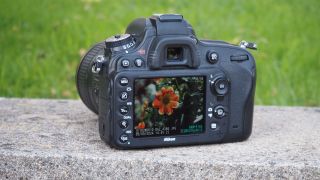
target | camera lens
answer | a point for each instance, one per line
(87, 81)
(174, 54)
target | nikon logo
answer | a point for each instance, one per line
(168, 139)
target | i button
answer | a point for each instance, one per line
(219, 112)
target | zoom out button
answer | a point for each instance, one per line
(124, 124)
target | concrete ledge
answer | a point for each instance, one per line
(59, 139)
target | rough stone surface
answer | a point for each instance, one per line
(54, 139)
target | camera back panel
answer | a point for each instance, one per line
(161, 86)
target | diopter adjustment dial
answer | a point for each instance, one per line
(119, 42)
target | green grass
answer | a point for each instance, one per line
(41, 41)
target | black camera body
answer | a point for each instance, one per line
(158, 85)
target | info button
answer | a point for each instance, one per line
(213, 126)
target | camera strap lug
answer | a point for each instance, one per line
(98, 64)
(249, 45)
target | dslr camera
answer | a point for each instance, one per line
(159, 85)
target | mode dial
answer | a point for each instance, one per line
(120, 42)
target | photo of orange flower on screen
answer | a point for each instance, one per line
(166, 100)
(168, 106)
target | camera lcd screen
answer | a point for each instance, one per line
(169, 106)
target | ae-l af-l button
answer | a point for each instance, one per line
(220, 86)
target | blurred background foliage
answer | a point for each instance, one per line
(42, 41)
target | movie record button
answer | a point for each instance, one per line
(124, 138)
(124, 81)
(124, 110)
(124, 124)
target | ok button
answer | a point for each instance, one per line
(124, 96)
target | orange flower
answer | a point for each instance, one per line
(166, 100)
(141, 125)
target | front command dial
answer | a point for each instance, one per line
(119, 42)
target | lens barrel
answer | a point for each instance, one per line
(87, 81)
